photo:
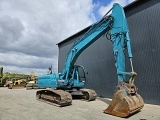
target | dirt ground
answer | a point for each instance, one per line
(21, 104)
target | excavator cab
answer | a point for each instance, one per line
(79, 76)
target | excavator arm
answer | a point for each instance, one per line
(121, 42)
(125, 101)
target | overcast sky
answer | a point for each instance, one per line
(30, 30)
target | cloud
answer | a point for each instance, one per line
(104, 9)
(10, 30)
(30, 30)
(24, 63)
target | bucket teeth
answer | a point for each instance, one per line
(124, 103)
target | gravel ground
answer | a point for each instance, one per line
(21, 104)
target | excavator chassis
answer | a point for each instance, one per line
(61, 98)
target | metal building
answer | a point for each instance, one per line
(144, 24)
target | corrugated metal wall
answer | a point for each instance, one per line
(144, 24)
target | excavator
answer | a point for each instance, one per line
(70, 83)
(32, 81)
(17, 83)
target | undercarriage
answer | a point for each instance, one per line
(62, 98)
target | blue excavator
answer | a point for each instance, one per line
(70, 83)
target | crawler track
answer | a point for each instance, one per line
(84, 94)
(62, 98)
(55, 97)
(89, 94)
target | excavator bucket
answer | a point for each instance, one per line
(125, 102)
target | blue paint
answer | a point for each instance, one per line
(73, 76)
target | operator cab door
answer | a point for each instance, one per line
(79, 76)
